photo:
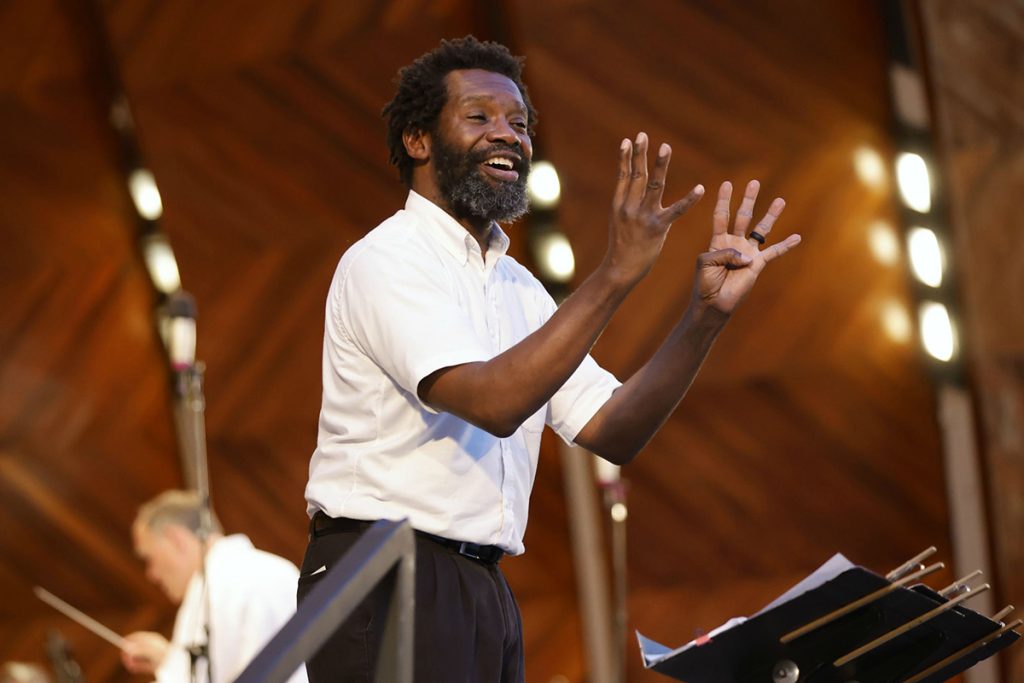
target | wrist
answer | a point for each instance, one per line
(616, 277)
(702, 314)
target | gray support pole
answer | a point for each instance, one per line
(965, 493)
(589, 561)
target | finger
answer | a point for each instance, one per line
(777, 250)
(683, 205)
(774, 211)
(638, 174)
(746, 211)
(656, 185)
(720, 218)
(725, 257)
(622, 184)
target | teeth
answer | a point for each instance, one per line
(499, 161)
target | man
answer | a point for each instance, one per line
(246, 597)
(444, 359)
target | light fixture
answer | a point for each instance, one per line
(142, 186)
(883, 243)
(915, 185)
(869, 166)
(555, 259)
(179, 330)
(937, 334)
(161, 264)
(896, 321)
(619, 512)
(543, 185)
(909, 96)
(925, 255)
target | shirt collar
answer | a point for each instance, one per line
(449, 232)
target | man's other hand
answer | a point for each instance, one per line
(144, 651)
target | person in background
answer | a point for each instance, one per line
(246, 596)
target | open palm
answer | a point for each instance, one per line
(727, 272)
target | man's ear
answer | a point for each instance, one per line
(178, 535)
(417, 144)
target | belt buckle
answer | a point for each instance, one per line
(469, 550)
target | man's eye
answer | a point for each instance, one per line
(521, 125)
(477, 117)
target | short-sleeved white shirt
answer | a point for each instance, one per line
(414, 296)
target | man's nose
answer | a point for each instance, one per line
(502, 131)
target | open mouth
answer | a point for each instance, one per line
(501, 169)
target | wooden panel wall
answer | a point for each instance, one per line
(978, 89)
(811, 429)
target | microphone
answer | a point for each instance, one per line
(180, 334)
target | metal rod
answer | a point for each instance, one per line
(912, 624)
(938, 666)
(959, 584)
(589, 563)
(860, 602)
(910, 565)
(344, 587)
(81, 617)
(620, 580)
(1001, 614)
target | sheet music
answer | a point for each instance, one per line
(836, 565)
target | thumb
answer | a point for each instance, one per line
(729, 258)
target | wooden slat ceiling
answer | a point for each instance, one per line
(809, 431)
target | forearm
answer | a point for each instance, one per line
(624, 425)
(500, 394)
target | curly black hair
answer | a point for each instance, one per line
(422, 91)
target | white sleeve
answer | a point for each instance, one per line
(176, 667)
(582, 395)
(579, 399)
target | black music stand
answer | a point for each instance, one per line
(852, 627)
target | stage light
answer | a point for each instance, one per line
(619, 512)
(179, 330)
(543, 185)
(915, 185)
(925, 256)
(555, 259)
(883, 243)
(161, 264)
(142, 186)
(896, 322)
(937, 332)
(869, 166)
(909, 97)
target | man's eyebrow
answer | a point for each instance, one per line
(471, 99)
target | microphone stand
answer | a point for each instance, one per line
(613, 489)
(179, 332)
(65, 668)
(192, 437)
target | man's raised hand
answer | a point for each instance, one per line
(727, 272)
(639, 223)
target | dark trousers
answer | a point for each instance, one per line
(467, 625)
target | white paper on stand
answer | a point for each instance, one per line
(654, 652)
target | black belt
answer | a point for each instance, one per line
(322, 525)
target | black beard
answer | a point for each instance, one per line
(469, 194)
